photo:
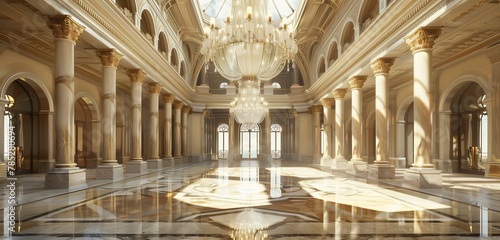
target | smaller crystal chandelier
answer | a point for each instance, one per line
(249, 108)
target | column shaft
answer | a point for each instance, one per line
(169, 99)
(339, 95)
(316, 112)
(109, 60)
(154, 128)
(136, 77)
(185, 113)
(356, 116)
(177, 129)
(381, 69)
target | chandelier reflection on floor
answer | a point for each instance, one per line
(249, 48)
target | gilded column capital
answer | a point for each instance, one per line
(136, 75)
(178, 104)
(168, 97)
(357, 81)
(109, 57)
(382, 65)
(293, 113)
(186, 109)
(423, 38)
(339, 93)
(205, 113)
(316, 109)
(155, 88)
(63, 26)
(327, 102)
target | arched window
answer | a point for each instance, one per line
(223, 85)
(249, 141)
(275, 85)
(223, 140)
(276, 140)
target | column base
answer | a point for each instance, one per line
(140, 167)
(381, 171)
(492, 170)
(339, 163)
(357, 167)
(3, 170)
(326, 161)
(168, 162)
(113, 172)
(155, 164)
(66, 178)
(45, 166)
(422, 178)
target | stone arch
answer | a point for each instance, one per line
(163, 44)
(174, 59)
(368, 12)
(147, 25)
(333, 53)
(348, 35)
(321, 66)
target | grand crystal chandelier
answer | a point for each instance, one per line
(249, 49)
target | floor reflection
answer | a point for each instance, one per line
(250, 200)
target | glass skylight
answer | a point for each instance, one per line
(220, 9)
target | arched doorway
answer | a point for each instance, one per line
(249, 142)
(222, 141)
(84, 157)
(409, 136)
(21, 113)
(469, 128)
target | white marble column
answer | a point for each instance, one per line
(46, 150)
(357, 165)
(154, 161)
(316, 112)
(185, 113)
(267, 132)
(296, 129)
(327, 103)
(65, 173)
(177, 129)
(204, 116)
(233, 149)
(109, 167)
(422, 174)
(381, 167)
(168, 99)
(339, 162)
(493, 108)
(136, 163)
(3, 161)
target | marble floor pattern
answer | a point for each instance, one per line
(252, 200)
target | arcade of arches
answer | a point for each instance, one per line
(121, 89)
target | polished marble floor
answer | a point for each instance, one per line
(251, 200)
